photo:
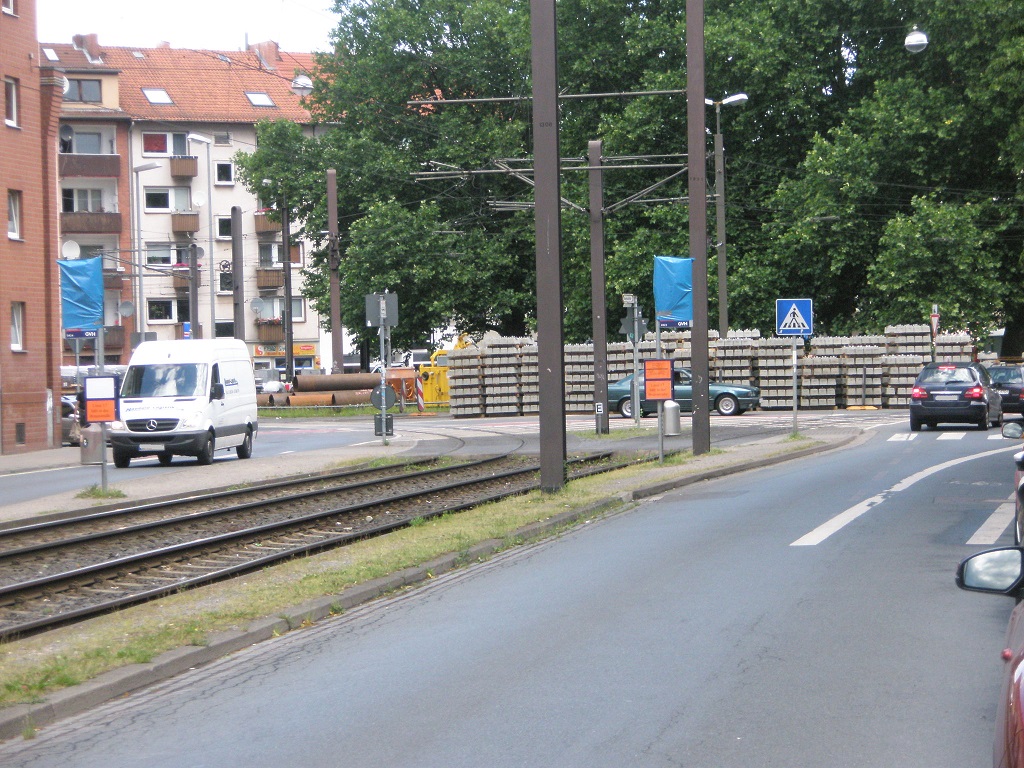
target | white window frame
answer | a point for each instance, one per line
(230, 182)
(7, 6)
(75, 84)
(17, 326)
(219, 224)
(84, 200)
(172, 303)
(12, 107)
(221, 277)
(166, 254)
(222, 139)
(275, 304)
(174, 140)
(14, 209)
(178, 199)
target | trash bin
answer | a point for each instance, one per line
(670, 418)
(94, 449)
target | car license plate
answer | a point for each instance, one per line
(947, 397)
(159, 448)
(1003, 391)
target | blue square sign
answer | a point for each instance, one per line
(794, 317)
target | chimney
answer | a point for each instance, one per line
(88, 43)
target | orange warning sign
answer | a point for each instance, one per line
(100, 410)
(657, 380)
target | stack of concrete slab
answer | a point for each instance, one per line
(501, 366)
(898, 375)
(909, 340)
(954, 347)
(819, 381)
(775, 371)
(735, 356)
(579, 378)
(465, 383)
(861, 382)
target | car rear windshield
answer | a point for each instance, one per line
(947, 375)
(1006, 375)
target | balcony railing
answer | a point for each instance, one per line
(88, 222)
(179, 278)
(106, 166)
(269, 278)
(112, 281)
(265, 224)
(270, 333)
(184, 166)
(186, 223)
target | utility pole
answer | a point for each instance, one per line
(334, 265)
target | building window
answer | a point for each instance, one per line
(222, 139)
(84, 90)
(7, 6)
(11, 101)
(275, 306)
(14, 214)
(166, 254)
(81, 200)
(166, 310)
(227, 285)
(258, 99)
(223, 227)
(225, 173)
(82, 143)
(17, 326)
(270, 255)
(167, 199)
(165, 144)
(157, 96)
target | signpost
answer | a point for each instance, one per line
(100, 395)
(794, 317)
(658, 386)
(382, 313)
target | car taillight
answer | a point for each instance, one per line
(919, 393)
(975, 393)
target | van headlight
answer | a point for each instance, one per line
(192, 421)
(117, 426)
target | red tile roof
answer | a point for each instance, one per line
(204, 86)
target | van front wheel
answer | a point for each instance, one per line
(244, 450)
(122, 459)
(206, 452)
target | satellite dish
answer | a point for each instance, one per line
(199, 199)
(126, 308)
(70, 249)
(200, 252)
(258, 306)
(67, 133)
(65, 86)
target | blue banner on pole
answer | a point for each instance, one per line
(81, 293)
(673, 291)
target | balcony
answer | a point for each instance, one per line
(106, 166)
(267, 279)
(89, 223)
(184, 166)
(112, 281)
(179, 279)
(185, 223)
(264, 224)
(270, 333)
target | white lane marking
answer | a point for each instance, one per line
(952, 436)
(997, 522)
(847, 516)
(902, 437)
(995, 437)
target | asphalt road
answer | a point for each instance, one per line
(801, 615)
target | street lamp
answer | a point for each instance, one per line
(916, 41)
(209, 220)
(723, 297)
(141, 310)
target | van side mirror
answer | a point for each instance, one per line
(217, 391)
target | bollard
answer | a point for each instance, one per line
(670, 414)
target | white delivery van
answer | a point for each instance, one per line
(189, 398)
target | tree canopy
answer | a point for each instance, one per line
(876, 181)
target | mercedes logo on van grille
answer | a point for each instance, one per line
(152, 426)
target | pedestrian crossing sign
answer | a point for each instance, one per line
(794, 317)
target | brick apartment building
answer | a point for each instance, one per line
(30, 384)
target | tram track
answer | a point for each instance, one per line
(62, 571)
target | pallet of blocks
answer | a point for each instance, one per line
(682, 354)
(898, 375)
(465, 384)
(579, 378)
(829, 346)
(954, 347)
(819, 381)
(620, 360)
(909, 340)
(775, 371)
(529, 378)
(861, 382)
(734, 358)
(500, 368)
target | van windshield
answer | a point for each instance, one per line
(165, 380)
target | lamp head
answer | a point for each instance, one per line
(736, 98)
(916, 41)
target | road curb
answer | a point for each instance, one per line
(24, 719)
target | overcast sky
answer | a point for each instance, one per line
(296, 25)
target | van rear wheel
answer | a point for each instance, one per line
(206, 452)
(244, 450)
